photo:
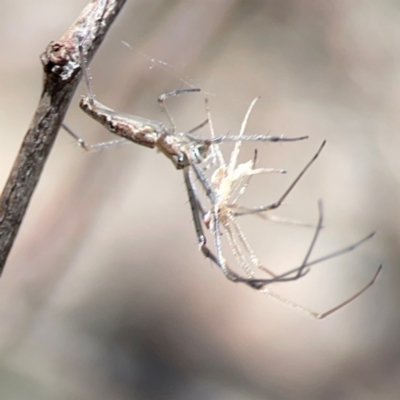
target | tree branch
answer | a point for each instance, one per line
(62, 69)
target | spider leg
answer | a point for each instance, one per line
(216, 259)
(246, 246)
(334, 254)
(164, 96)
(239, 211)
(197, 127)
(238, 247)
(215, 150)
(278, 203)
(291, 275)
(194, 206)
(94, 147)
(314, 239)
(260, 284)
(300, 272)
(219, 259)
(303, 269)
(252, 138)
(204, 182)
(323, 315)
(254, 283)
(256, 138)
(200, 206)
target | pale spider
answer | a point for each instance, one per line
(228, 182)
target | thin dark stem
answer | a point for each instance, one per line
(62, 69)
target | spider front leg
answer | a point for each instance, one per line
(93, 147)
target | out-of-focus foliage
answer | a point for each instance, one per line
(105, 295)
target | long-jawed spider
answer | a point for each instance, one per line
(188, 152)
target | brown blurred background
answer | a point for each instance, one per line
(105, 294)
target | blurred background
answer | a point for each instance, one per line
(105, 294)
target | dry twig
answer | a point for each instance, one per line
(62, 70)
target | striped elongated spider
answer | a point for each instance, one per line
(190, 153)
(184, 149)
(228, 182)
